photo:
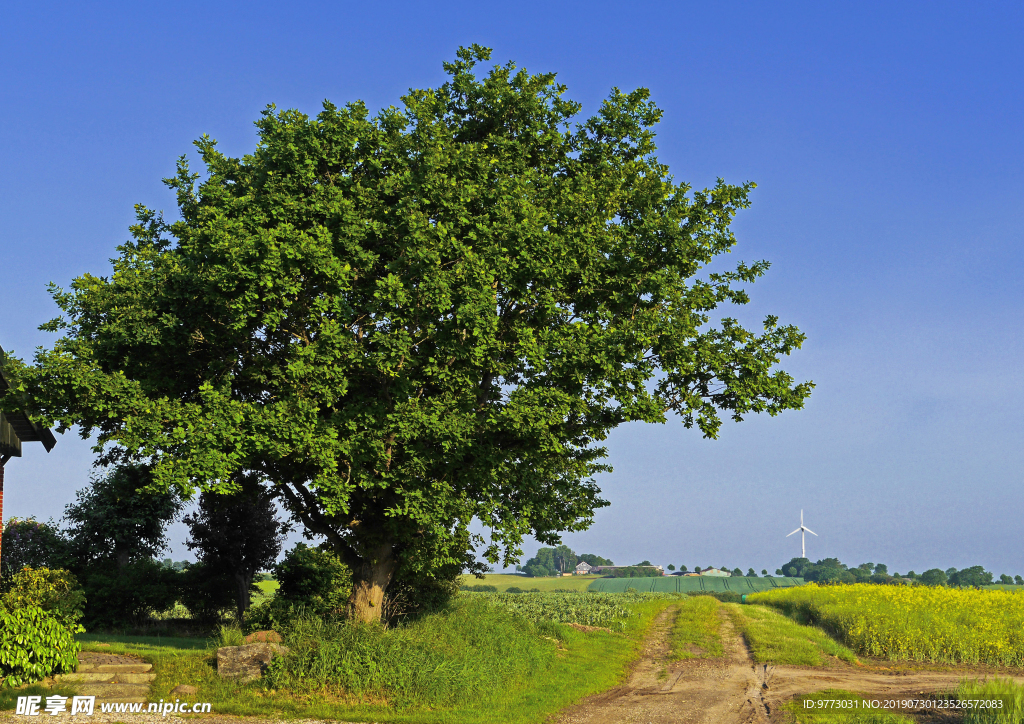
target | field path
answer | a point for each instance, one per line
(660, 690)
(735, 690)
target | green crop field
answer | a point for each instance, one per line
(693, 584)
(503, 582)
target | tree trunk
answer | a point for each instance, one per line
(242, 600)
(369, 582)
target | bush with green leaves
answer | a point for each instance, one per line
(29, 543)
(121, 596)
(311, 582)
(56, 592)
(34, 644)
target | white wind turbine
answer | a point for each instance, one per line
(802, 530)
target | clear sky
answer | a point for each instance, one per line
(886, 141)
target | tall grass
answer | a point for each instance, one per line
(806, 710)
(1006, 691)
(469, 652)
(696, 629)
(913, 623)
(610, 610)
(776, 639)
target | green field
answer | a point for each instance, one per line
(503, 581)
(691, 584)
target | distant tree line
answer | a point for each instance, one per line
(831, 570)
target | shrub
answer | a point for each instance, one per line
(119, 596)
(34, 644)
(514, 589)
(29, 543)
(314, 578)
(481, 588)
(54, 591)
(205, 594)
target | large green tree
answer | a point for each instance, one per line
(410, 320)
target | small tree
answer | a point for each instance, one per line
(1003, 578)
(1018, 580)
(974, 576)
(751, 573)
(235, 537)
(934, 577)
(119, 518)
(671, 567)
(881, 569)
(682, 569)
(29, 543)
(764, 571)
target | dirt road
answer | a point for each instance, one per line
(735, 690)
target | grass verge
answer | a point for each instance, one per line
(774, 638)
(835, 706)
(9, 697)
(1006, 691)
(696, 631)
(473, 664)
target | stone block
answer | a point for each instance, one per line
(248, 662)
(85, 676)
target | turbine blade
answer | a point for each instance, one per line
(795, 531)
(810, 531)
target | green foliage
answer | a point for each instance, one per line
(595, 560)
(589, 609)
(481, 588)
(56, 592)
(314, 578)
(974, 576)
(1009, 693)
(34, 644)
(468, 652)
(695, 632)
(552, 562)
(29, 543)
(417, 320)
(774, 638)
(632, 572)
(312, 582)
(723, 596)
(9, 697)
(235, 536)
(205, 593)
(934, 577)
(119, 518)
(120, 597)
(806, 709)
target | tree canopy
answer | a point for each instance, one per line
(408, 321)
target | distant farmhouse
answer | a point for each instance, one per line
(583, 568)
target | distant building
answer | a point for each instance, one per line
(583, 568)
(715, 572)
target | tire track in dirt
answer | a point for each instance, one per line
(734, 690)
(659, 691)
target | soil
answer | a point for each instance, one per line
(734, 690)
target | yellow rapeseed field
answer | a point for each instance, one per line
(918, 623)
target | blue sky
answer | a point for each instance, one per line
(886, 143)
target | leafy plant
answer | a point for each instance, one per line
(34, 644)
(29, 543)
(55, 591)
